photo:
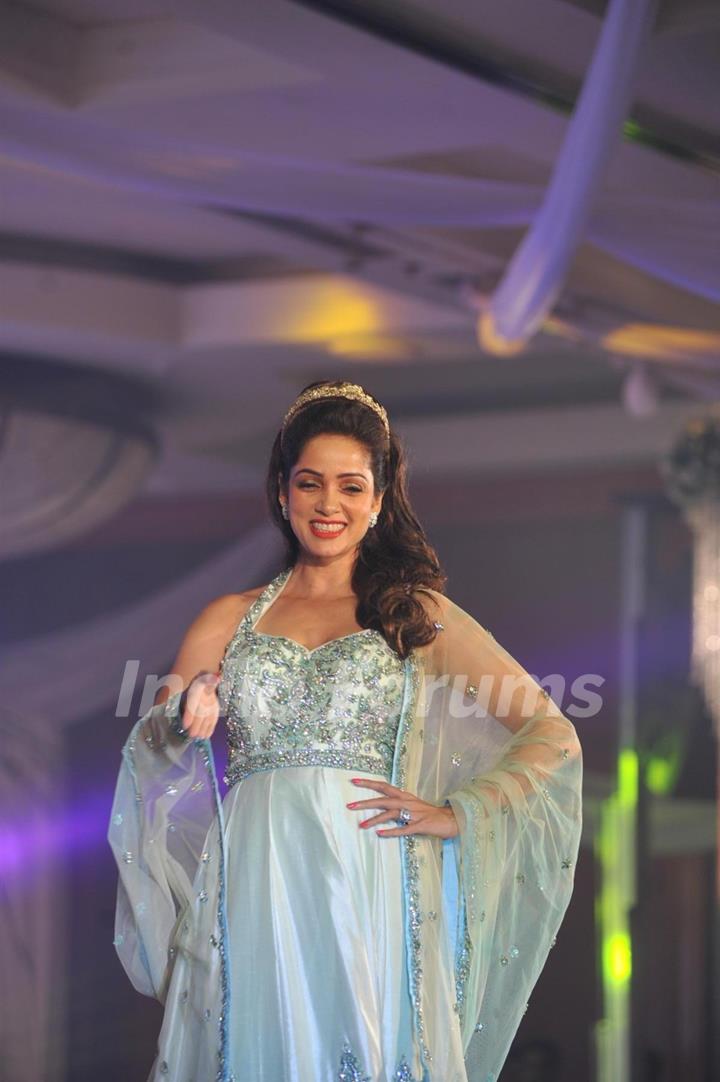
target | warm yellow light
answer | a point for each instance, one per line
(560, 328)
(492, 342)
(373, 347)
(337, 308)
(664, 343)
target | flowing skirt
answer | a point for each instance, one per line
(309, 977)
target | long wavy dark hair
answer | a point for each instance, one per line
(395, 558)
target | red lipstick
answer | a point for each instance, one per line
(334, 529)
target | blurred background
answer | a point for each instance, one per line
(502, 217)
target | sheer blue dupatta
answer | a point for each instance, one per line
(488, 740)
(166, 832)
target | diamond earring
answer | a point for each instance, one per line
(373, 519)
(284, 510)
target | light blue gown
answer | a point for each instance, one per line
(290, 963)
(288, 944)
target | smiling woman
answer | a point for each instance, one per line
(330, 505)
(337, 488)
(289, 939)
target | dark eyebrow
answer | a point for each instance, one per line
(317, 473)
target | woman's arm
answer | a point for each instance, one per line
(204, 642)
(195, 713)
(477, 678)
(499, 750)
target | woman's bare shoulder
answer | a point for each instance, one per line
(208, 636)
(228, 608)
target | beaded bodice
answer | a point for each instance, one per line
(338, 704)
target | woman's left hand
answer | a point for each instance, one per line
(438, 821)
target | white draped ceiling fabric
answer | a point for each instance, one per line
(538, 269)
(332, 193)
(682, 253)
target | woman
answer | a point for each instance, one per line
(377, 893)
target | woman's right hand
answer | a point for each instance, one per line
(202, 707)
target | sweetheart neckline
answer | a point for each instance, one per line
(264, 601)
(314, 649)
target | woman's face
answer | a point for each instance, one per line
(330, 495)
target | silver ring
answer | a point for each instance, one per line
(405, 817)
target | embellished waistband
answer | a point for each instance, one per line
(240, 767)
